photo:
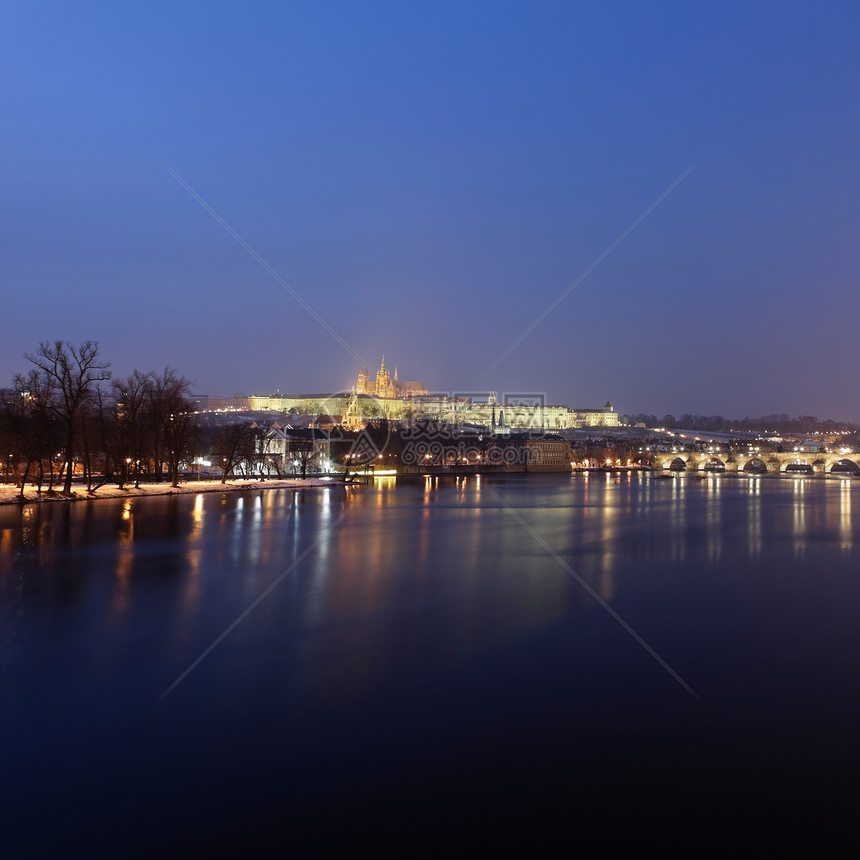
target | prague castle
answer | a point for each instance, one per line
(387, 397)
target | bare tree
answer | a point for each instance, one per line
(134, 418)
(267, 454)
(34, 427)
(232, 445)
(306, 455)
(72, 371)
(105, 436)
(13, 431)
(89, 431)
(171, 410)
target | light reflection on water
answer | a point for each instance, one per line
(439, 552)
(124, 562)
(754, 516)
(799, 521)
(713, 518)
(678, 521)
(408, 527)
(422, 609)
(845, 530)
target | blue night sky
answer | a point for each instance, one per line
(429, 177)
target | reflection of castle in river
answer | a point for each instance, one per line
(388, 397)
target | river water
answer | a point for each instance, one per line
(434, 662)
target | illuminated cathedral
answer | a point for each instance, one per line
(385, 386)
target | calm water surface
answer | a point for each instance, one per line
(426, 672)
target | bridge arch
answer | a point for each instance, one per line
(757, 466)
(798, 466)
(678, 464)
(714, 464)
(843, 466)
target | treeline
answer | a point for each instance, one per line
(780, 423)
(68, 417)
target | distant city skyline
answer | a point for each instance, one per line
(427, 182)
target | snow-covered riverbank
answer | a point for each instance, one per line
(9, 494)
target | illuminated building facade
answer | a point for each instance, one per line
(388, 397)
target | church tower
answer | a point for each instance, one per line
(383, 381)
(361, 385)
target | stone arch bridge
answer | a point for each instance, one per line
(761, 463)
